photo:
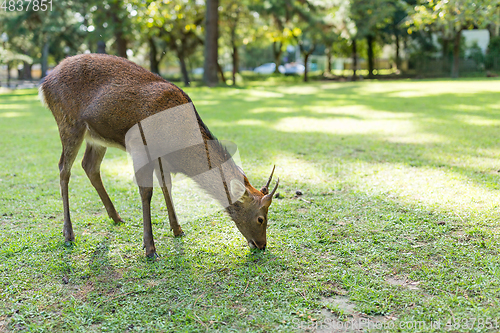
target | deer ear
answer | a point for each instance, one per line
(238, 190)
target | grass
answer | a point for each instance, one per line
(398, 223)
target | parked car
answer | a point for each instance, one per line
(198, 71)
(293, 69)
(267, 68)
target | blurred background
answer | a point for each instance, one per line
(306, 39)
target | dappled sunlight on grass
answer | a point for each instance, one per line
(119, 168)
(465, 107)
(252, 122)
(432, 189)
(299, 90)
(428, 87)
(12, 107)
(417, 137)
(345, 126)
(293, 170)
(14, 114)
(272, 109)
(257, 95)
(477, 120)
(202, 103)
(358, 111)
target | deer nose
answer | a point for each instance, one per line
(256, 245)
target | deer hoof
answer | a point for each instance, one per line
(153, 256)
(181, 234)
(69, 237)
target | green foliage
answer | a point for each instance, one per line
(493, 54)
(476, 54)
(452, 16)
(108, 21)
(358, 18)
(29, 29)
(282, 18)
(8, 56)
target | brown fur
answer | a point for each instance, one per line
(100, 97)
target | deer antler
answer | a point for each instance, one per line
(265, 188)
(268, 198)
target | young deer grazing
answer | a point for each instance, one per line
(112, 102)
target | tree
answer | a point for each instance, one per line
(396, 31)
(110, 19)
(177, 24)
(149, 27)
(312, 31)
(370, 17)
(357, 19)
(284, 18)
(38, 33)
(237, 28)
(451, 17)
(211, 42)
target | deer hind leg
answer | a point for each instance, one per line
(145, 180)
(71, 139)
(165, 181)
(91, 163)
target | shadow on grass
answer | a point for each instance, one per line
(450, 128)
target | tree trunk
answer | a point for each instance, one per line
(184, 71)
(8, 74)
(277, 55)
(306, 60)
(354, 60)
(444, 55)
(456, 54)
(369, 40)
(45, 58)
(121, 44)
(211, 43)
(235, 63)
(101, 47)
(221, 73)
(444, 51)
(26, 71)
(120, 40)
(398, 56)
(306, 67)
(153, 58)
(329, 60)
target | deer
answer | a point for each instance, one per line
(109, 101)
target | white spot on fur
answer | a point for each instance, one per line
(98, 141)
(41, 96)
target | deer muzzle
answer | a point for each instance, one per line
(257, 245)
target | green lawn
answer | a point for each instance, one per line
(398, 224)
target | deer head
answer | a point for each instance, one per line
(250, 211)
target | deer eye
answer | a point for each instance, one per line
(260, 219)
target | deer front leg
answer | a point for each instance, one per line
(144, 178)
(71, 140)
(165, 181)
(172, 217)
(149, 243)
